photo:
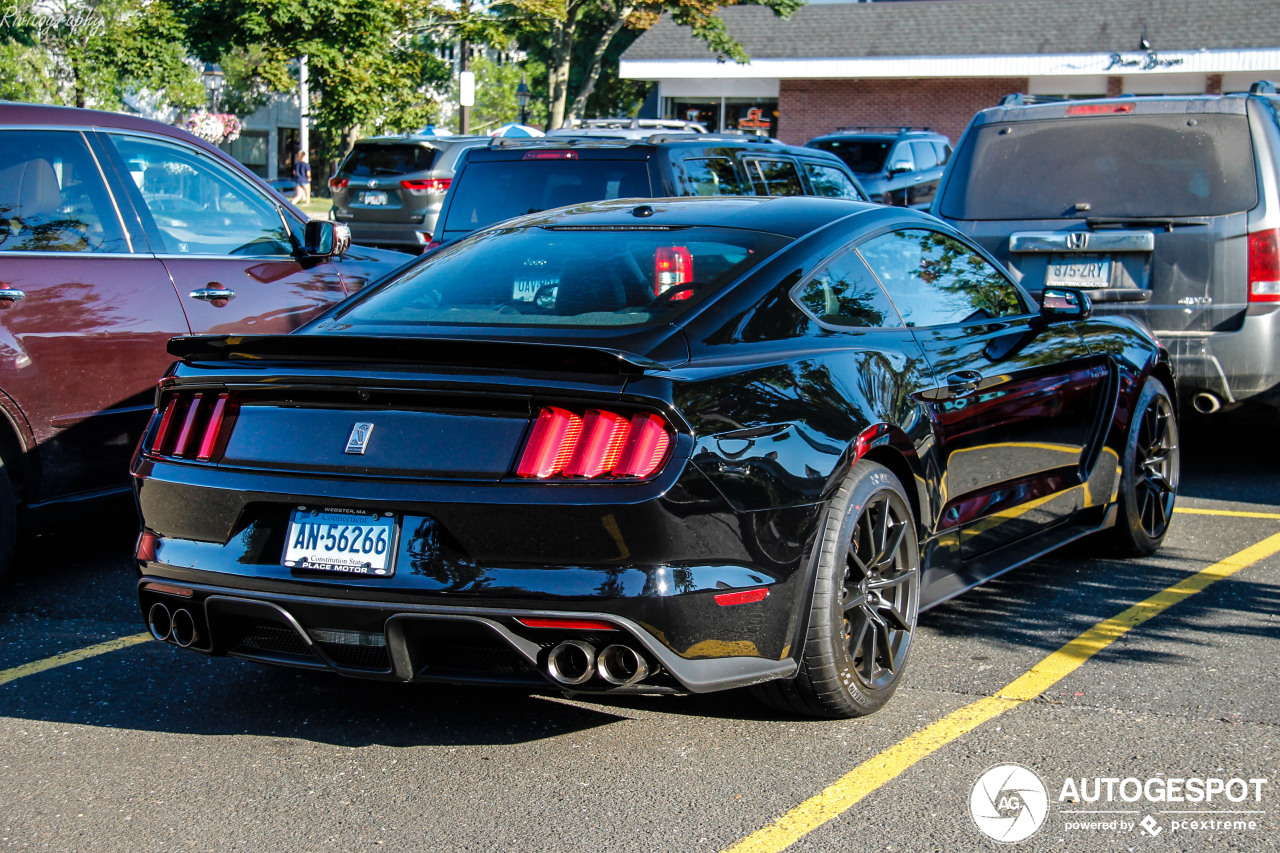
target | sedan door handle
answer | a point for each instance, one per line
(214, 293)
(8, 297)
(963, 381)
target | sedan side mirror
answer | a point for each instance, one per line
(1058, 304)
(324, 239)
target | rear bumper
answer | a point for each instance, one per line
(1237, 367)
(406, 234)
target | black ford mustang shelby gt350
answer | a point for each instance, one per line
(647, 446)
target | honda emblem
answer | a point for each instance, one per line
(1077, 241)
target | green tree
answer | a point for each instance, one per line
(496, 94)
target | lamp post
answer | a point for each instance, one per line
(213, 80)
(522, 98)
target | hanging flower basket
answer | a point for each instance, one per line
(214, 127)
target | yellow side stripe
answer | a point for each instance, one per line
(72, 657)
(888, 765)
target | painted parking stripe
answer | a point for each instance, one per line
(1230, 513)
(888, 765)
(72, 657)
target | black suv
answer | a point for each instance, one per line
(1164, 208)
(389, 189)
(512, 177)
(899, 166)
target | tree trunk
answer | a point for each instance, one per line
(562, 33)
(622, 12)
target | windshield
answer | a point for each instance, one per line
(861, 156)
(549, 276)
(528, 186)
(1105, 166)
(368, 161)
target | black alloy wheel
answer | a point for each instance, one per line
(1149, 482)
(865, 602)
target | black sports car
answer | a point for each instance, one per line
(647, 446)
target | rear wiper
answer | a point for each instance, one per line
(1167, 224)
(382, 170)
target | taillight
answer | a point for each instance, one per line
(594, 444)
(1264, 266)
(433, 186)
(550, 155)
(192, 426)
(338, 183)
(673, 268)
(1098, 109)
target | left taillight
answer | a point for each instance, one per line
(594, 444)
(192, 425)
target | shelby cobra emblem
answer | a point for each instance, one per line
(359, 439)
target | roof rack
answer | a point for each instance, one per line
(1263, 87)
(899, 128)
(658, 138)
(558, 141)
(1022, 99)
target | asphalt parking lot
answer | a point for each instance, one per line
(144, 747)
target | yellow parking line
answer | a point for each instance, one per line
(891, 763)
(1227, 512)
(71, 657)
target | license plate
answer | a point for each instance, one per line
(525, 289)
(340, 542)
(373, 198)
(1078, 271)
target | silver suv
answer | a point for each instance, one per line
(389, 189)
(1163, 208)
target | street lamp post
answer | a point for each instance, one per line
(213, 80)
(522, 98)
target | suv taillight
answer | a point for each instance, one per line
(1264, 266)
(193, 425)
(595, 443)
(673, 268)
(338, 183)
(432, 186)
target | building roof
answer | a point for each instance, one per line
(977, 28)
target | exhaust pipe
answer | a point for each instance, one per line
(622, 665)
(159, 622)
(184, 629)
(1206, 403)
(573, 662)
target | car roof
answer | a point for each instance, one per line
(668, 140)
(15, 112)
(422, 139)
(789, 216)
(1015, 108)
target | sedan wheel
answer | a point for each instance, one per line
(1149, 483)
(865, 602)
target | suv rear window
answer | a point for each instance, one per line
(861, 156)
(494, 191)
(567, 277)
(1127, 165)
(367, 161)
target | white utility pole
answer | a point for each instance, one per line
(304, 106)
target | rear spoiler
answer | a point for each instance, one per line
(462, 352)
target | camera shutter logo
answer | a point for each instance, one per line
(1009, 803)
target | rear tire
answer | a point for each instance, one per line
(866, 599)
(1149, 482)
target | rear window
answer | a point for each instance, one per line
(368, 161)
(567, 277)
(1127, 165)
(861, 156)
(493, 191)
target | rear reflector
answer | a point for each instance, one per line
(551, 155)
(566, 624)
(1098, 109)
(192, 426)
(168, 589)
(1264, 266)
(434, 186)
(594, 444)
(727, 598)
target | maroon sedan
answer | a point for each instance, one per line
(116, 234)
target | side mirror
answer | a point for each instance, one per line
(901, 168)
(324, 239)
(1058, 304)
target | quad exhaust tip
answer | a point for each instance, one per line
(184, 629)
(571, 663)
(159, 622)
(622, 665)
(1206, 403)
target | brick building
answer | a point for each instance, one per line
(936, 62)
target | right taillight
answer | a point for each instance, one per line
(192, 425)
(594, 444)
(1264, 266)
(338, 183)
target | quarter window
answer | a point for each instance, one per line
(775, 177)
(926, 155)
(712, 176)
(52, 198)
(200, 207)
(830, 182)
(936, 280)
(844, 293)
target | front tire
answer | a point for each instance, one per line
(1149, 482)
(865, 603)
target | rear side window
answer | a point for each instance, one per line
(559, 277)
(712, 176)
(490, 192)
(861, 156)
(371, 161)
(844, 293)
(1122, 165)
(936, 280)
(925, 154)
(775, 177)
(830, 182)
